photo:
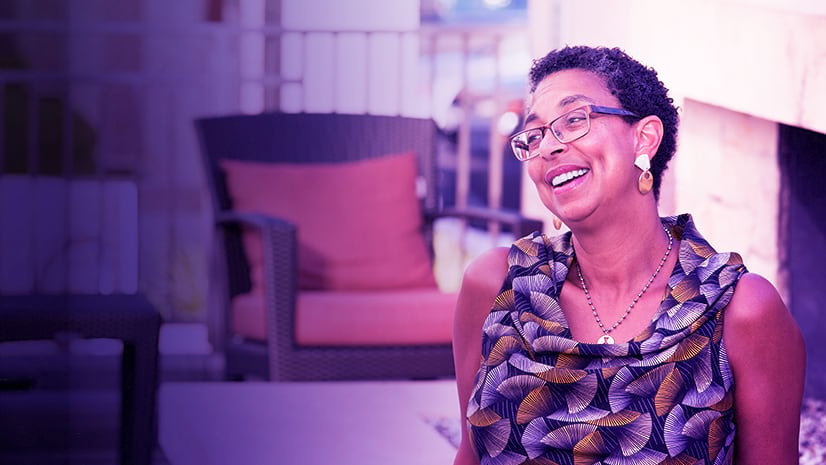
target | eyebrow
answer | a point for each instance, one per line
(530, 118)
(564, 102)
(575, 98)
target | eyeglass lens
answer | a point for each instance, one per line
(566, 128)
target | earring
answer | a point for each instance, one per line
(646, 180)
(557, 223)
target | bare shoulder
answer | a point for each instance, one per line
(480, 284)
(487, 270)
(757, 320)
(755, 304)
(768, 360)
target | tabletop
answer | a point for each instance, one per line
(308, 423)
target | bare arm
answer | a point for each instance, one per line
(768, 358)
(480, 285)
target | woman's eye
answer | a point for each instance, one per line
(533, 137)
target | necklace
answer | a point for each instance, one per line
(606, 338)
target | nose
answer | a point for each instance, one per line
(550, 146)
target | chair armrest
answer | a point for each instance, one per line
(258, 220)
(278, 239)
(280, 272)
(519, 225)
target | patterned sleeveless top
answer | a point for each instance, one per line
(665, 397)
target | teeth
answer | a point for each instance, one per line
(565, 177)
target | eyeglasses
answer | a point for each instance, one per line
(565, 128)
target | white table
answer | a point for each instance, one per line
(341, 423)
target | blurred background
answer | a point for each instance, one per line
(102, 189)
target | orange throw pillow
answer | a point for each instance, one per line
(359, 223)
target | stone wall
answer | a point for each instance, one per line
(726, 175)
(737, 69)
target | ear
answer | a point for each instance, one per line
(649, 135)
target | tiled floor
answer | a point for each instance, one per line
(813, 433)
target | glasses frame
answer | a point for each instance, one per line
(545, 127)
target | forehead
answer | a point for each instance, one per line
(565, 88)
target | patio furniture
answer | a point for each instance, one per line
(324, 222)
(128, 318)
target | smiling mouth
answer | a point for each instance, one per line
(564, 178)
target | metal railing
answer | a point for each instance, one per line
(139, 179)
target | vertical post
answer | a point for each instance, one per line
(368, 37)
(432, 44)
(496, 145)
(33, 128)
(463, 156)
(106, 134)
(400, 64)
(337, 61)
(436, 169)
(34, 168)
(251, 54)
(303, 58)
(68, 167)
(68, 144)
(3, 117)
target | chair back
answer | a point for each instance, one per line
(314, 138)
(307, 138)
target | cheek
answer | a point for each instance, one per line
(536, 171)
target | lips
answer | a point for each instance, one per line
(561, 176)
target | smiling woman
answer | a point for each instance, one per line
(634, 357)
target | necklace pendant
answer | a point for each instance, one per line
(605, 338)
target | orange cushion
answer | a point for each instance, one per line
(406, 317)
(359, 223)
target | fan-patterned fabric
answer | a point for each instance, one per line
(665, 397)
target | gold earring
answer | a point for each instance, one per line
(557, 223)
(646, 181)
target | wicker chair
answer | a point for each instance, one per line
(283, 138)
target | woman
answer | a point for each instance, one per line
(628, 340)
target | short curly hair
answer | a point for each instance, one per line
(635, 86)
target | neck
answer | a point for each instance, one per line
(642, 242)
